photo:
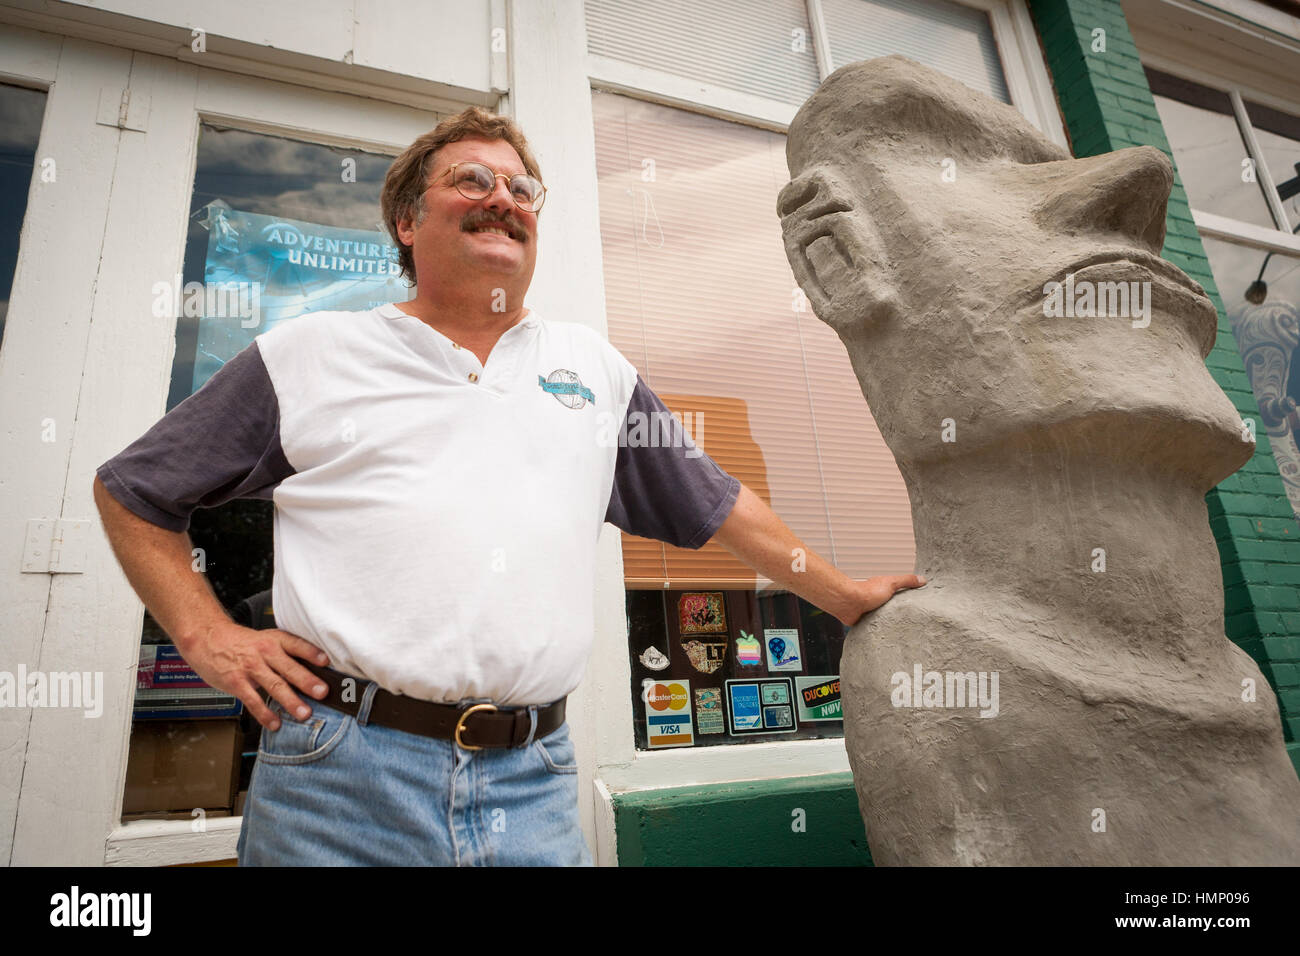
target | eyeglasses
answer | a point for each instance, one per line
(476, 181)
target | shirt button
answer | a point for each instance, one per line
(473, 376)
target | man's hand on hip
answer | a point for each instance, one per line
(239, 660)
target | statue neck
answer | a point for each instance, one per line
(1105, 531)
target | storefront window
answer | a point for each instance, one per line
(277, 228)
(21, 111)
(700, 298)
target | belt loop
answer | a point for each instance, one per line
(367, 698)
(532, 725)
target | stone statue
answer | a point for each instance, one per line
(1062, 692)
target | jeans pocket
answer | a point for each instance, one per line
(303, 741)
(557, 750)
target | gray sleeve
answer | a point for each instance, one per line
(222, 442)
(664, 487)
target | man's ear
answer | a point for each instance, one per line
(405, 230)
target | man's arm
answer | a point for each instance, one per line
(672, 492)
(221, 443)
(159, 565)
(755, 535)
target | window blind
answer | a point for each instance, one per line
(938, 33)
(760, 47)
(700, 298)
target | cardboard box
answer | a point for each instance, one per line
(177, 765)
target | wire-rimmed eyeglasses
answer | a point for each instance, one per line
(477, 181)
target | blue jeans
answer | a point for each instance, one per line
(336, 790)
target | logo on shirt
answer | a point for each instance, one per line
(567, 388)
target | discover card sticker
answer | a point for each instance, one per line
(818, 698)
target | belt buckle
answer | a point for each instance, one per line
(460, 724)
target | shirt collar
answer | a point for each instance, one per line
(391, 311)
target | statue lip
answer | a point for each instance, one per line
(1201, 319)
(1153, 264)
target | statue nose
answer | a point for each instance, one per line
(1123, 192)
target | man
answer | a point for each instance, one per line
(439, 458)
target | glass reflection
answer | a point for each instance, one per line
(1268, 337)
(21, 111)
(1208, 149)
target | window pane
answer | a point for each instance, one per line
(1267, 335)
(749, 667)
(1208, 149)
(950, 37)
(277, 228)
(21, 111)
(700, 298)
(761, 47)
(1278, 135)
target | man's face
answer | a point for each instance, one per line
(936, 284)
(452, 242)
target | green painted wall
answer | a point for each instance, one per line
(1107, 105)
(750, 823)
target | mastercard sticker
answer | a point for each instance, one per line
(668, 713)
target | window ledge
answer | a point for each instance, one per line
(684, 767)
(1221, 227)
(167, 842)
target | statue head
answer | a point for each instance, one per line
(928, 224)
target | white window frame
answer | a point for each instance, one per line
(1213, 225)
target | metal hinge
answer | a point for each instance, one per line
(123, 109)
(55, 546)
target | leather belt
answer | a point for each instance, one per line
(473, 727)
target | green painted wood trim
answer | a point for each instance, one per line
(746, 823)
(1106, 105)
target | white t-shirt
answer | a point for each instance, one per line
(436, 518)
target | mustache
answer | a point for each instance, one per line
(478, 218)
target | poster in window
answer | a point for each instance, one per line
(263, 270)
